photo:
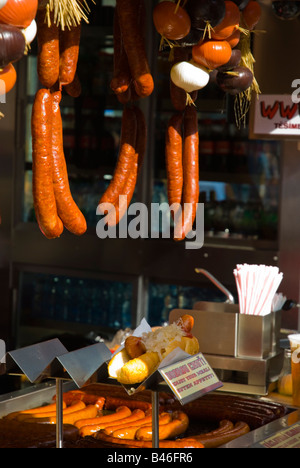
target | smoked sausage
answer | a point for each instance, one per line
(176, 427)
(174, 167)
(127, 154)
(67, 209)
(135, 165)
(48, 49)
(42, 166)
(190, 194)
(69, 41)
(121, 80)
(180, 443)
(134, 45)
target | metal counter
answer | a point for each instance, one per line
(272, 435)
(37, 395)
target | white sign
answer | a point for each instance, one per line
(276, 115)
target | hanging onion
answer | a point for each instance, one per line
(203, 12)
(8, 78)
(12, 44)
(230, 22)
(236, 81)
(189, 76)
(171, 22)
(233, 62)
(212, 54)
(30, 32)
(19, 13)
(194, 36)
(234, 39)
(241, 3)
(251, 14)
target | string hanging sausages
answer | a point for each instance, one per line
(134, 45)
(42, 166)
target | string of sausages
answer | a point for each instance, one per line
(182, 165)
(54, 205)
(132, 80)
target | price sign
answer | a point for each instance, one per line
(288, 438)
(190, 378)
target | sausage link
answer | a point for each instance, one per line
(88, 412)
(48, 50)
(42, 166)
(67, 209)
(179, 97)
(69, 41)
(186, 322)
(111, 403)
(39, 410)
(126, 156)
(96, 424)
(134, 45)
(180, 443)
(40, 416)
(121, 80)
(74, 89)
(216, 440)
(174, 428)
(130, 432)
(134, 416)
(190, 196)
(174, 167)
(124, 427)
(136, 163)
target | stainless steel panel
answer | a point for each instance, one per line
(254, 336)
(251, 439)
(30, 397)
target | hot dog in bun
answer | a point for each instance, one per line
(141, 356)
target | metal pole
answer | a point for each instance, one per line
(59, 414)
(155, 422)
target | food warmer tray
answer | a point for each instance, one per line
(282, 433)
(40, 394)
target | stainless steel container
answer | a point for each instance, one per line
(222, 330)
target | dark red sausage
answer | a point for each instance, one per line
(179, 97)
(121, 80)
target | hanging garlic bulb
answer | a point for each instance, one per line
(30, 32)
(189, 76)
